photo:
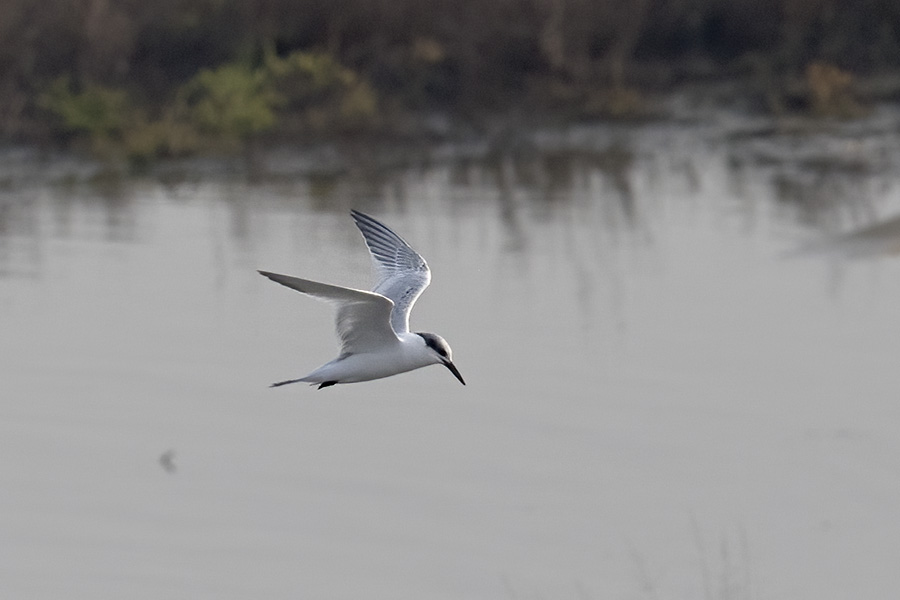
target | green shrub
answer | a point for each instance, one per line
(308, 77)
(96, 111)
(232, 102)
(147, 140)
(321, 92)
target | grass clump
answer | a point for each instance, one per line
(320, 93)
(232, 103)
(830, 91)
(97, 113)
(225, 109)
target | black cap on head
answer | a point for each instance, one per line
(437, 343)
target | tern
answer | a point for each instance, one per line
(373, 327)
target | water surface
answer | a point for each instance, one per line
(663, 400)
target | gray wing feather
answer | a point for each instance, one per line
(402, 273)
(363, 318)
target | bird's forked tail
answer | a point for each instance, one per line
(322, 384)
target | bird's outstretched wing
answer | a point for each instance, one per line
(402, 273)
(363, 318)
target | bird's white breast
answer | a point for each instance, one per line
(407, 354)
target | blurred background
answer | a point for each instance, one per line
(143, 80)
(663, 237)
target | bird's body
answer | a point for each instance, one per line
(407, 354)
(374, 326)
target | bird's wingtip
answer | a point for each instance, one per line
(269, 275)
(358, 216)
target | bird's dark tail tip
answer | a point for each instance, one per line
(325, 384)
(280, 383)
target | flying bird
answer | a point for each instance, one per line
(373, 327)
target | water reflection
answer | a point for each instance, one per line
(31, 216)
(621, 187)
(20, 249)
(881, 238)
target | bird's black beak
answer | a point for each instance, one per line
(454, 370)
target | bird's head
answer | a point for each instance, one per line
(441, 353)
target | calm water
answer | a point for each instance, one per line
(663, 401)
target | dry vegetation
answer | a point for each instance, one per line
(172, 77)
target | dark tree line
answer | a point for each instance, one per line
(452, 54)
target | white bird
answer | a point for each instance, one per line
(374, 326)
